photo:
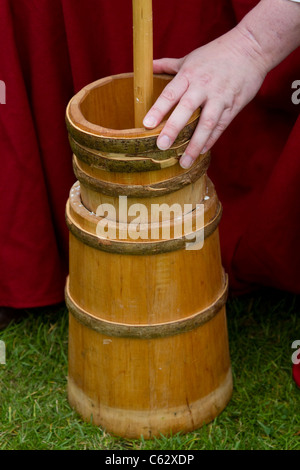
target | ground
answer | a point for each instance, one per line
(262, 414)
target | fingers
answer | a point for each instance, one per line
(189, 102)
(197, 83)
(166, 101)
(214, 118)
(216, 77)
(213, 121)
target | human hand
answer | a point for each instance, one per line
(221, 77)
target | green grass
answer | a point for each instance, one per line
(262, 414)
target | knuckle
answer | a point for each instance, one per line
(188, 103)
(169, 94)
(236, 89)
(219, 91)
(193, 150)
(210, 141)
(221, 126)
(185, 78)
(205, 78)
(155, 110)
(171, 129)
(233, 99)
(209, 123)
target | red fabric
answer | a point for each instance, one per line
(256, 168)
(52, 48)
(296, 374)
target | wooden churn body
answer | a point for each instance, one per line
(148, 345)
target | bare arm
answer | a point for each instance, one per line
(224, 75)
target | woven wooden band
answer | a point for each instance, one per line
(129, 145)
(149, 190)
(127, 163)
(141, 247)
(159, 330)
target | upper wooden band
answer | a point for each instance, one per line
(134, 145)
(134, 141)
(138, 331)
(128, 163)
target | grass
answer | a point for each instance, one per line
(262, 414)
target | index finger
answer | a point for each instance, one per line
(169, 97)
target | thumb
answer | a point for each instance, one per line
(166, 65)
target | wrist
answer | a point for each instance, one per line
(270, 32)
(249, 47)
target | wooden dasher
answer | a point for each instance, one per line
(148, 345)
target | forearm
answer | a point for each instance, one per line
(272, 31)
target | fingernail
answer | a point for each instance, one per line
(186, 161)
(163, 142)
(149, 121)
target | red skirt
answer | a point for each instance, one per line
(52, 48)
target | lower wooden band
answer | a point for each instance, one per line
(160, 330)
(141, 247)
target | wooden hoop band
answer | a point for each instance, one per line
(159, 330)
(125, 162)
(136, 247)
(148, 190)
(134, 145)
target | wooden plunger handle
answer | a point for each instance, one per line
(142, 58)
